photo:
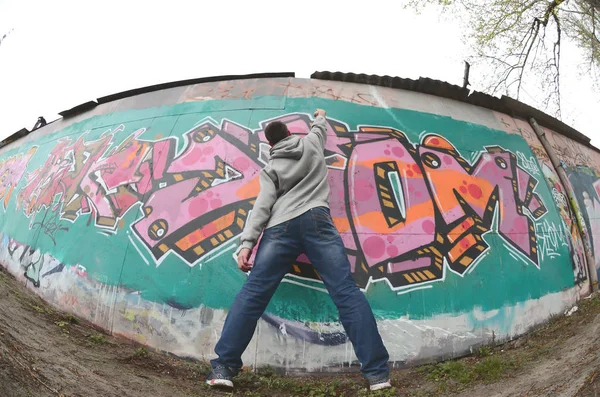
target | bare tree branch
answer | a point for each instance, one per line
(519, 42)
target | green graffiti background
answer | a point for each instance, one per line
(498, 280)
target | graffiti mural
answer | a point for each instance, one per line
(570, 236)
(73, 173)
(11, 171)
(403, 209)
(34, 264)
(586, 185)
(439, 209)
(50, 224)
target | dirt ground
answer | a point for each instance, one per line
(44, 352)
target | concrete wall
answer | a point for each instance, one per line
(454, 220)
(582, 165)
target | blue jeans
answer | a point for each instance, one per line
(314, 234)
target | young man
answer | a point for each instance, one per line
(292, 209)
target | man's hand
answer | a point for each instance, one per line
(319, 112)
(243, 260)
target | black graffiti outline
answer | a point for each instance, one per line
(52, 225)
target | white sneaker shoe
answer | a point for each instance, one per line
(220, 377)
(380, 384)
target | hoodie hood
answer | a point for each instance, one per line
(291, 147)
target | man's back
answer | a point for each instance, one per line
(299, 167)
(293, 182)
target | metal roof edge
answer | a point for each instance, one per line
(443, 89)
(17, 135)
(162, 86)
(84, 107)
(136, 91)
(438, 88)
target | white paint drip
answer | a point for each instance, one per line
(414, 289)
(138, 250)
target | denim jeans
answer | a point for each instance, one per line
(314, 234)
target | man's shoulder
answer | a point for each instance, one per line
(269, 171)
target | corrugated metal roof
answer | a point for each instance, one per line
(156, 87)
(17, 135)
(84, 107)
(439, 88)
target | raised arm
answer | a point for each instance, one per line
(318, 131)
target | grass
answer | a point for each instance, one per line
(140, 352)
(484, 351)
(42, 309)
(97, 339)
(492, 368)
(71, 319)
(63, 325)
(492, 363)
(453, 376)
(203, 367)
(63, 321)
(266, 382)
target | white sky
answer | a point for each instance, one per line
(62, 53)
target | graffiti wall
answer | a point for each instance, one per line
(582, 165)
(567, 233)
(585, 182)
(455, 228)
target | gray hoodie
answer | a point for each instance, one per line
(293, 182)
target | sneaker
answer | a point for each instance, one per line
(220, 376)
(380, 383)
